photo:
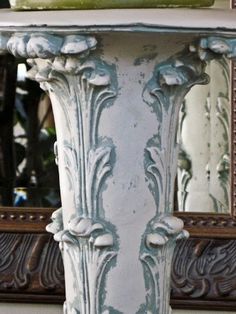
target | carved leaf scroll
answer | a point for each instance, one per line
(165, 93)
(204, 269)
(82, 86)
(26, 265)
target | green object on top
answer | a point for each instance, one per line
(104, 4)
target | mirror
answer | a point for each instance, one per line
(204, 140)
(28, 173)
(203, 136)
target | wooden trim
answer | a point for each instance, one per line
(233, 136)
(24, 220)
(34, 220)
(20, 297)
(203, 274)
(31, 268)
(209, 225)
(212, 305)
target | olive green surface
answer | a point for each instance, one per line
(104, 4)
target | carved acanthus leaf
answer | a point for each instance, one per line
(165, 93)
(157, 251)
(90, 245)
(163, 230)
(212, 47)
(82, 86)
(57, 223)
(45, 46)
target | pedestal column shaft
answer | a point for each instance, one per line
(116, 100)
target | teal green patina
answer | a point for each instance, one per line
(104, 4)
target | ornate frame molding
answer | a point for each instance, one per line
(33, 273)
(26, 220)
(233, 130)
(31, 265)
(203, 274)
(206, 225)
(233, 139)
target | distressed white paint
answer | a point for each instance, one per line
(126, 201)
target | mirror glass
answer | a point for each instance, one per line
(204, 140)
(28, 173)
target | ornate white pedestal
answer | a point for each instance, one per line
(117, 80)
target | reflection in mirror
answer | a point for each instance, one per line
(34, 181)
(7, 98)
(204, 137)
(29, 175)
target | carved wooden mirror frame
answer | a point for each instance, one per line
(204, 266)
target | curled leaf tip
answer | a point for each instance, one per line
(104, 240)
(156, 239)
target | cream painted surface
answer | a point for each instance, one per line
(184, 18)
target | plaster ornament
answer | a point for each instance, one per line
(68, 69)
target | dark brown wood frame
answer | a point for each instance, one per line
(233, 136)
(31, 266)
(204, 267)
